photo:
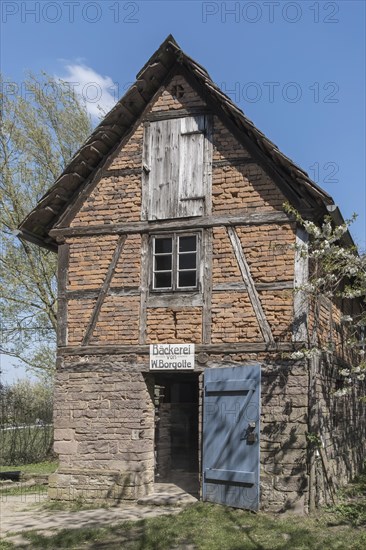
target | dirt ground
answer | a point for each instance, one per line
(27, 512)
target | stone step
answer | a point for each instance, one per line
(40, 479)
(168, 494)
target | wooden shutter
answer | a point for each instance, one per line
(176, 164)
(191, 167)
(162, 168)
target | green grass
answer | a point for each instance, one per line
(206, 526)
(47, 467)
(73, 505)
(211, 527)
(40, 468)
(351, 505)
(23, 490)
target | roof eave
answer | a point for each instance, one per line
(115, 126)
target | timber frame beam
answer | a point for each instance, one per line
(249, 283)
(93, 293)
(201, 222)
(242, 347)
(104, 290)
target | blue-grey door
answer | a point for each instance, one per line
(231, 415)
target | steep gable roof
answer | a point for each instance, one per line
(294, 182)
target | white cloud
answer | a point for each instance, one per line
(99, 93)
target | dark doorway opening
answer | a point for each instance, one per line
(176, 430)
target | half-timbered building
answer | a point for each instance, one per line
(177, 316)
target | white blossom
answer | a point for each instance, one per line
(344, 372)
(342, 392)
(297, 355)
(347, 319)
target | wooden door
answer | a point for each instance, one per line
(231, 416)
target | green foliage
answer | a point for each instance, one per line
(43, 124)
(26, 431)
(314, 440)
(354, 513)
(351, 507)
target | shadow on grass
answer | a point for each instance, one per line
(208, 527)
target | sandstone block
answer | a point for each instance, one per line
(65, 434)
(65, 447)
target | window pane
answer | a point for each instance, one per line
(187, 244)
(163, 280)
(163, 245)
(187, 261)
(163, 263)
(187, 278)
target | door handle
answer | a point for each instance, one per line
(251, 436)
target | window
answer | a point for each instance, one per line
(175, 261)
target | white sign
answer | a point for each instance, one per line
(171, 356)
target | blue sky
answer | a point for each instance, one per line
(297, 69)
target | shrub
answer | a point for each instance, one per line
(26, 430)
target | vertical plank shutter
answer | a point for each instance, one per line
(163, 154)
(174, 168)
(191, 172)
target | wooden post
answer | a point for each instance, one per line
(62, 277)
(144, 285)
(300, 324)
(207, 286)
(312, 366)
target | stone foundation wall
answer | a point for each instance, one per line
(105, 421)
(284, 423)
(104, 435)
(340, 432)
(97, 485)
